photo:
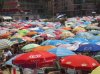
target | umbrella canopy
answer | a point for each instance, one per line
(31, 33)
(77, 39)
(89, 48)
(35, 59)
(5, 35)
(53, 42)
(29, 39)
(43, 48)
(79, 62)
(23, 32)
(17, 40)
(61, 52)
(96, 70)
(85, 35)
(5, 43)
(29, 47)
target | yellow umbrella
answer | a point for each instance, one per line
(96, 70)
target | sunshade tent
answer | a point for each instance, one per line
(61, 52)
(35, 59)
(29, 47)
(43, 48)
(89, 48)
(81, 62)
(96, 70)
(5, 43)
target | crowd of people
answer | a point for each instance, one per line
(39, 31)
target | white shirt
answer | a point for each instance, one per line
(8, 53)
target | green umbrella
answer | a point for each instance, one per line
(23, 32)
(29, 47)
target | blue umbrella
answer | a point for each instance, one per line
(53, 42)
(97, 38)
(39, 30)
(72, 40)
(61, 52)
(85, 35)
(89, 48)
(92, 41)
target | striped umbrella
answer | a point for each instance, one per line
(5, 43)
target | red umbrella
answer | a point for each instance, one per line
(79, 62)
(35, 59)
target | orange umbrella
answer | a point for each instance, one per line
(67, 28)
(5, 35)
(31, 33)
(43, 48)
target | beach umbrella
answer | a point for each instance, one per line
(35, 36)
(49, 30)
(5, 35)
(78, 29)
(96, 70)
(97, 38)
(29, 39)
(89, 48)
(43, 48)
(17, 40)
(76, 39)
(29, 47)
(93, 41)
(81, 62)
(16, 35)
(5, 43)
(61, 52)
(38, 29)
(95, 32)
(23, 32)
(93, 27)
(85, 35)
(66, 28)
(31, 33)
(71, 46)
(67, 34)
(53, 42)
(35, 59)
